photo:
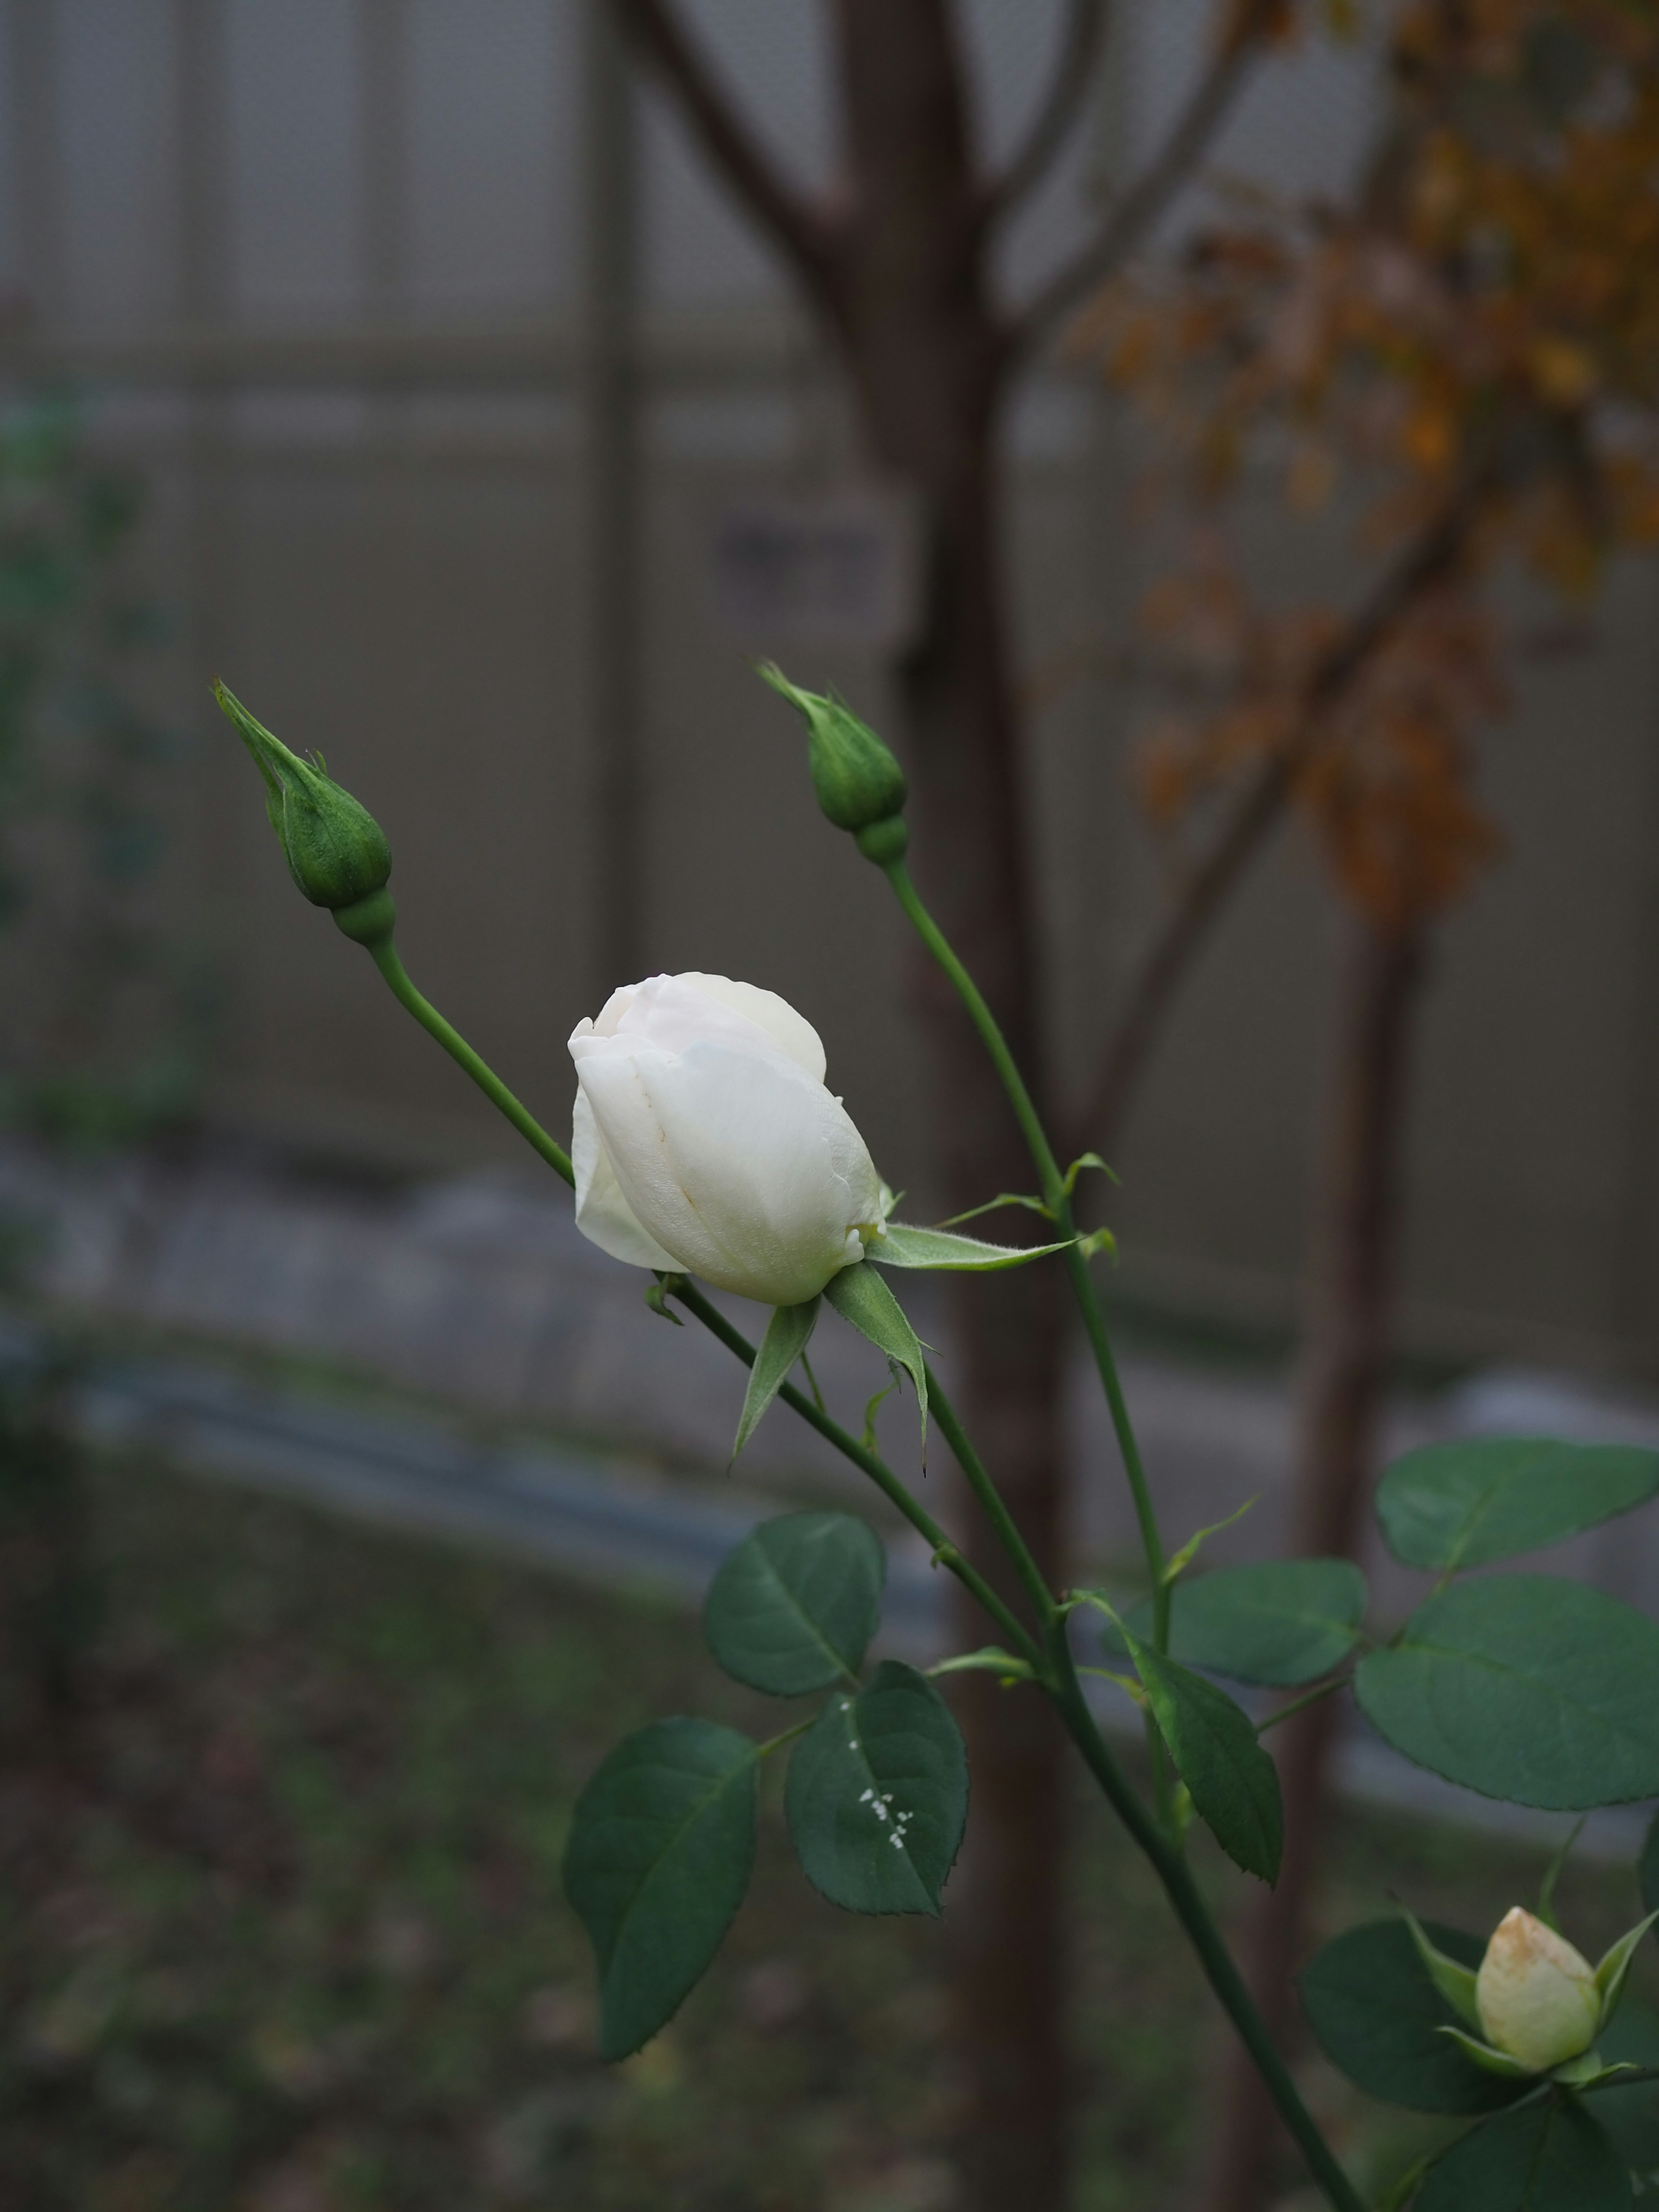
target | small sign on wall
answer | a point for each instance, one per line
(842, 569)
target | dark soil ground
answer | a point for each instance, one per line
(281, 1927)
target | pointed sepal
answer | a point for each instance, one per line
(787, 1334)
(898, 1245)
(859, 1296)
(1488, 2059)
(1454, 1983)
(1613, 1972)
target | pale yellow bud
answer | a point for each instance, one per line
(1537, 1996)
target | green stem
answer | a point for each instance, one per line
(1299, 1704)
(1058, 1200)
(991, 1500)
(776, 1743)
(1194, 1913)
(1054, 1669)
(385, 956)
(878, 1472)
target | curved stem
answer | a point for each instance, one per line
(385, 956)
(1196, 1918)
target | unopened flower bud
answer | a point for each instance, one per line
(857, 780)
(335, 851)
(1537, 1997)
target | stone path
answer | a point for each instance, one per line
(477, 1294)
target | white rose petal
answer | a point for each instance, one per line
(705, 1140)
(1535, 1993)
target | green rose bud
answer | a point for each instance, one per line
(857, 781)
(335, 851)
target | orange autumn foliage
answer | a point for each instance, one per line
(1476, 335)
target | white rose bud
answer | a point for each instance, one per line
(704, 1139)
(1537, 1996)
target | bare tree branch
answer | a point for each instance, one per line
(1058, 112)
(1426, 563)
(801, 230)
(1137, 210)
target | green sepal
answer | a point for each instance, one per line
(859, 1296)
(1454, 1983)
(787, 1334)
(989, 1659)
(1088, 1160)
(1189, 1552)
(856, 779)
(656, 1296)
(995, 1205)
(898, 1245)
(1489, 2060)
(1613, 1972)
(335, 851)
(1590, 2070)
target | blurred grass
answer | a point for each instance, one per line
(281, 1930)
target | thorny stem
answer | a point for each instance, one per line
(1051, 1661)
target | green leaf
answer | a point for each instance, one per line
(859, 1296)
(1523, 1688)
(901, 1246)
(1552, 2156)
(1455, 1505)
(1647, 1869)
(793, 1607)
(1233, 1784)
(1631, 2115)
(1279, 1623)
(1404, 2186)
(661, 1845)
(877, 1796)
(787, 1334)
(1377, 2016)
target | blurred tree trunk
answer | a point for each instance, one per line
(896, 260)
(927, 357)
(1347, 1338)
